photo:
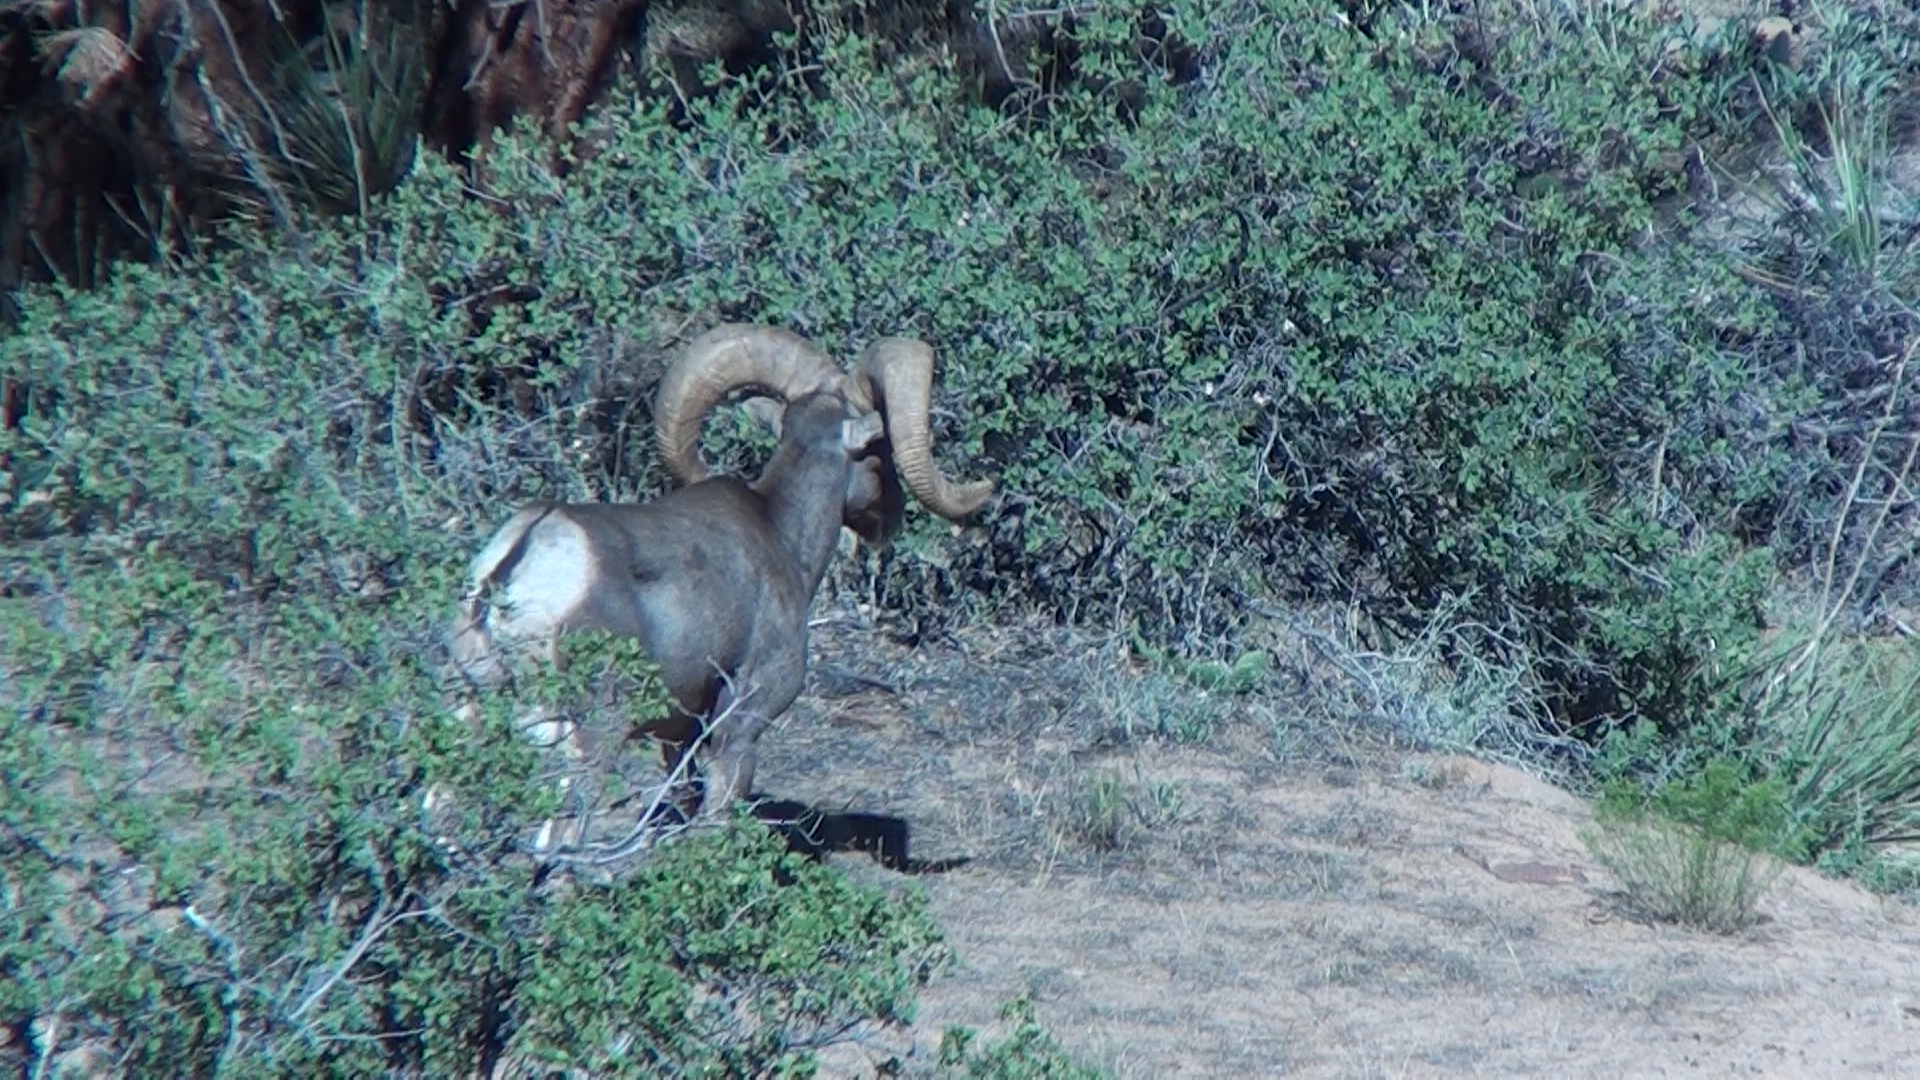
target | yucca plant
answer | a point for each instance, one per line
(1843, 712)
(1847, 716)
(1840, 199)
(347, 103)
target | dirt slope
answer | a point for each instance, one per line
(1280, 900)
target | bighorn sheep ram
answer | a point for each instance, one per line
(715, 578)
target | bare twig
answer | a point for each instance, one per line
(49, 1041)
(1000, 53)
(376, 925)
(1830, 603)
(212, 933)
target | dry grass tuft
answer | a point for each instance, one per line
(1678, 874)
(1112, 814)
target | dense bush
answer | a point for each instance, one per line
(1362, 311)
(212, 856)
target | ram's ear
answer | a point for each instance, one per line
(765, 411)
(860, 432)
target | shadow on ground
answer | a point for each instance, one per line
(817, 833)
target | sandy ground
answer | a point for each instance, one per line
(1284, 899)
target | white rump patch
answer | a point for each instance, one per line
(552, 578)
(546, 585)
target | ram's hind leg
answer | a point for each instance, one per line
(734, 739)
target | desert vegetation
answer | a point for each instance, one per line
(1533, 380)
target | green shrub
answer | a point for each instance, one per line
(1278, 331)
(1028, 1052)
(732, 959)
(1680, 874)
(1694, 851)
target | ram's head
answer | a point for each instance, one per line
(893, 378)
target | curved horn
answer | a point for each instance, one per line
(897, 373)
(726, 358)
